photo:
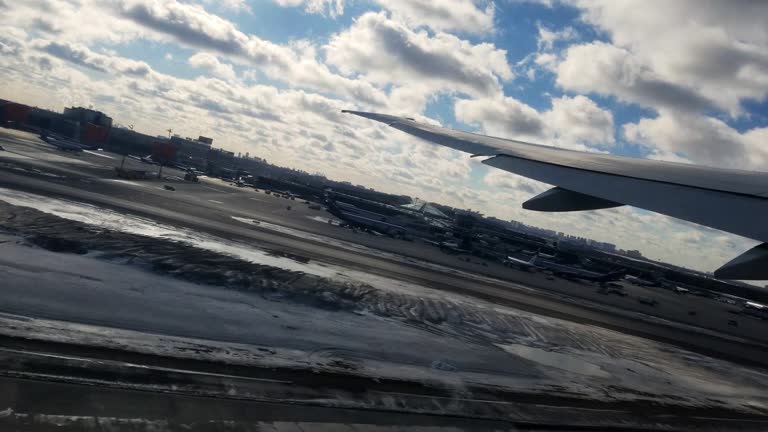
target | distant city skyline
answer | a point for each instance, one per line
(682, 81)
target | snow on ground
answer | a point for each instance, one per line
(112, 220)
(453, 339)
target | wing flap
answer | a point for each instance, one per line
(738, 214)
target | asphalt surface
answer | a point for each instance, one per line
(43, 406)
(209, 206)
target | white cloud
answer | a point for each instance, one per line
(83, 56)
(383, 50)
(64, 20)
(602, 68)
(231, 5)
(573, 122)
(212, 64)
(332, 8)
(706, 140)
(579, 119)
(193, 26)
(548, 37)
(717, 50)
(521, 187)
(467, 16)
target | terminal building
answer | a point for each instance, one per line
(192, 152)
(94, 126)
(221, 163)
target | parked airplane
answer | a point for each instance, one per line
(568, 272)
(529, 265)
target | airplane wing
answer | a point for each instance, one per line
(730, 200)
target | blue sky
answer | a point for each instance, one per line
(684, 81)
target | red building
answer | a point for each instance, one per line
(14, 113)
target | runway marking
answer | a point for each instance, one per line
(217, 202)
(256, 199)
(127, 182)
(324, 220)
(98, 154)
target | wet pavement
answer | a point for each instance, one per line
(231, 284)
(338, 321)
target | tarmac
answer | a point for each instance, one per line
(219, 208)
(196, 213)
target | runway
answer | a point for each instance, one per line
(219, 208)
(368, 302)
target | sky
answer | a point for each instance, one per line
(682, 80)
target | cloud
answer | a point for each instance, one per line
(602, 68)
(83, 56)
(12, 41)
(45, 26)
(77, 55)
(66, 20)
(503, 117)
(522, 187)
(548, 38)
(718, 49)
(579, 119)
(573, 122)
(332, 8)
(231, 5)
(212, 64)
(706, 140)
(193, 26)
(465, 16)
(383, 51)
(190, 24)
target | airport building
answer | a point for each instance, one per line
(46, 120)
(127, 141)
(220, 162)
(192, 152)
(13, 113)
(85, 125)
(95, 126)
